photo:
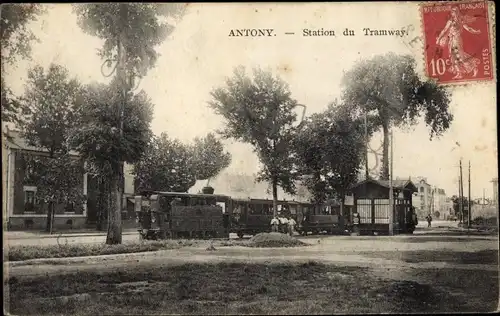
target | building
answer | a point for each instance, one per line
(422, 200)
(21, 208)
(439, 204)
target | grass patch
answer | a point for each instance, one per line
(20, 253)
(225, 288)
(474, 257)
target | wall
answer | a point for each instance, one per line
(39, 223)
(129, 179)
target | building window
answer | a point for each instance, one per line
(69, 208)
(422, 189)
(29, 199)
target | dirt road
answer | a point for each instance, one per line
(342, 250)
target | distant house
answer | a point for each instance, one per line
(423, 198)
(244, 186)
(21, 210)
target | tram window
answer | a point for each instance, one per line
(293, 209)
(223, 205)
(335, 210)
(267, 209)
(239, 208)
(259, 209)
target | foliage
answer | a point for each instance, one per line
(166, 166)
(142, 25)
(260, 112)
(50, 107)
(16, 40)
(389, 86)
(97, 136)
(330, 148)
(170, 165)
(14, 32)
(209, 156)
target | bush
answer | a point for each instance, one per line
(481, 221)
(20, 253)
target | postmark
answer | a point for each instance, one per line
(457, 42)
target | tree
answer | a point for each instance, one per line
(389, 87)
(50, 107)
(330, 148)
(16, 40)
(165, 166)
(260, 112)
(169, 165)
(209, 157)
(97, 139)
(130, 33)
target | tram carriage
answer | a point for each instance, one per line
(328, 217)
(253, 216)
(163, 215)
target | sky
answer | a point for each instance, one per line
(199, 55)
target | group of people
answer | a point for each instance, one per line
(284, 225)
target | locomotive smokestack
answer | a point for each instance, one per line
(208, 190)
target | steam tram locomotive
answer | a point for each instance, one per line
(163, 215)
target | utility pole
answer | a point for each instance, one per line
(484, 200)
(366, 147)
(432, 201)
(469, 210)
(461, 189)
(391, 190)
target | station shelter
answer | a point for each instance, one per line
(371, 201)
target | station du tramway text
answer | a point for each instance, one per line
(322, 32)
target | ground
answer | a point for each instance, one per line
(433, 271)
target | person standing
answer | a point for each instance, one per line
(429, 220)
(275, 224)
(291, 225)
(356, 220)
(283, 225)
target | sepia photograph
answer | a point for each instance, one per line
(249, 158)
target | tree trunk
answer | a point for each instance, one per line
(50, 215)
(115, 210)
(384, 173)
(275, 196)
(318, 192)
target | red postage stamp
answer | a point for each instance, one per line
(457, 41)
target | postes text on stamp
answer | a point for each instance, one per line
(457, 41)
